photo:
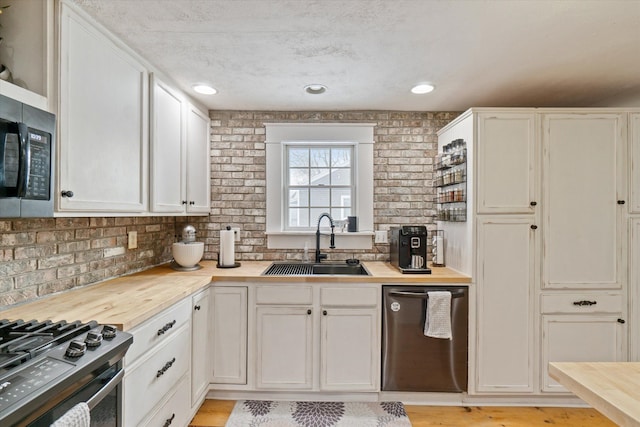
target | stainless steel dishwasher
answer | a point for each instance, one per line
(412, 361)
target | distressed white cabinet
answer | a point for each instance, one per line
(507, 265)
(228, 334)
(579, 338)
(179, 153)
(634, 155)
(583, 187)
(103, 122)
(507, 163)
(323, 338)
(199, 347)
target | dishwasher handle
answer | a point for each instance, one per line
(422, 295)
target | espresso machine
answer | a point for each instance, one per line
(408, 247)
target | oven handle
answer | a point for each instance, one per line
(424, 295)
(104, 391)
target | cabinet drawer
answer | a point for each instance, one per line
(157, 329)
(582, 303)
(349, 297)
(175, 410)
(284, 294)
(155, 376)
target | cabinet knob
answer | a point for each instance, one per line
(192, 203)
(621, 321)
(66, 193)
(197, 307)
(184, 202)
(309, 311)
(534, 227)
(533, 203)
(621, 202)
(324, 312)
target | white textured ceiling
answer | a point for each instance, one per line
(260, 54)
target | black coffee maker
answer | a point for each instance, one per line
(408, 249)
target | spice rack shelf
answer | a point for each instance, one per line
(451, 182)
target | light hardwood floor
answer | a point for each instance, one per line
(214, 413)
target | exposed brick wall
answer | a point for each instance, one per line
(43, 256)
(46, 255)
(404, 152)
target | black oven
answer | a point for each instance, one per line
(48, 368)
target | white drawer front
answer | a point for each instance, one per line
(584, 302)
(155, 376)
(350, 296)
(157, 330)
(175, 410)
(284, 294)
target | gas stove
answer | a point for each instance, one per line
(45, 367)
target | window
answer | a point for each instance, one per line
(319, 178)
(316, 168)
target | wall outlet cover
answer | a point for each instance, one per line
(236, 233)
(132, 239)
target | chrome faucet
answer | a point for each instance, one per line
(332, 244)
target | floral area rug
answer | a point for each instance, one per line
(265, 413)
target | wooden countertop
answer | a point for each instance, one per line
(612, 388)
(128, 301)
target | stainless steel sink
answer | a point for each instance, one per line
(313, 269)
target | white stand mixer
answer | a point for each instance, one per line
(187, 253)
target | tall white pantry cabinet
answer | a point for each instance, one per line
(549, 215)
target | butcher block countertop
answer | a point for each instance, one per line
(612, 388)
(130, 300)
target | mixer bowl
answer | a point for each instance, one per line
(187, 254)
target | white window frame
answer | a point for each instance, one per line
(277, 136)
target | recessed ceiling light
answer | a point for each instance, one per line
(315, 89)
(422, 88)
(204, 89)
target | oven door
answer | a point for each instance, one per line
(103, 395)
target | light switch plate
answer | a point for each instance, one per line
(381, 236)
(132, 239)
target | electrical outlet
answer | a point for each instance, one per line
(132, 239)
(236, 233)
(381, 236)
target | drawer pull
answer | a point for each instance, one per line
(165, 368)
(197, 307)
(621, 321)
(166, 327)
(169, 420)
(585, 302)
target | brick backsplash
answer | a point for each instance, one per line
(46, 255)
(404, 151)
(42, 256)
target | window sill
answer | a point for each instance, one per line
(298, 239)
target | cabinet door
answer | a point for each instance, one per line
(284, 347)
(634, 290)
(634, 147)
(575, 338)
(507, 163)
(350, 353)
(103, 122)
(229, 334)
(506, 274)
(583, 182)
(199, 346)
(167, 154)
(198, 161)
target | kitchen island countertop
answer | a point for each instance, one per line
(130, 300)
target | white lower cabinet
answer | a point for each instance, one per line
(320, 337)
(228, 334)
(199, 346)
(579, 338)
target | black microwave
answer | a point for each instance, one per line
(27, 148)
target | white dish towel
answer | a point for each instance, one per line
(78, 416)
(438, 319)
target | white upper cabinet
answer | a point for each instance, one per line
(179, 153)
(103, 122)
(198, 191)
(506, 163)
(583, 184)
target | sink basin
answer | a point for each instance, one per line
(313, 269)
